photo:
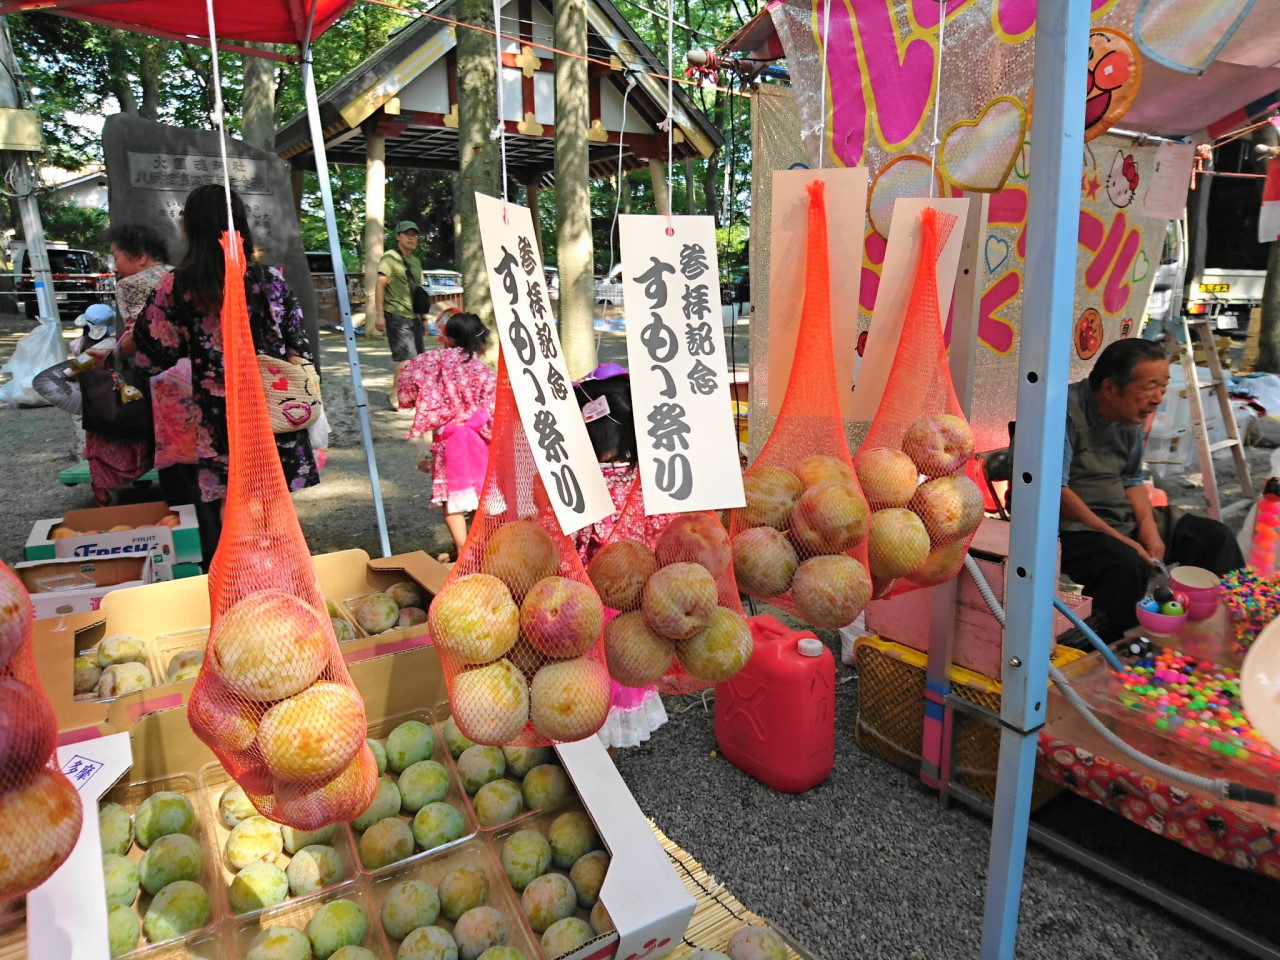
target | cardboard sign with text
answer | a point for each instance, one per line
(871, 370)
(846, 225)
(685, 432)
(540, 382)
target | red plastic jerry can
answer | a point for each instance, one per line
(776, 719)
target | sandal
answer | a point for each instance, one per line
(395, 402)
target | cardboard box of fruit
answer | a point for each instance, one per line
(60, 587)
(438, 861)
(172, 533)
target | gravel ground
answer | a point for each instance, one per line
(868, 864)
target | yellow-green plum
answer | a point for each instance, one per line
(122, 929)
(184, 665)
(379, 754)
(520, 760)
(502, 952)
(526, 855)
(421, 783)
(280, 943)
(352, 952)
(939, 446)
(342, 631)
(295, 840)
(950, 507)
(122, 648)
(547, 899)
(256, 840)
(763, 563)
(428, 943)
(490, 703)
(569, 699)
(520, 554)
(831, 591)
(571, 836)
(177, 909)
(455, 739)
(437, 824)
(718, 652)
(85, 675)
(830, 518)
(257, 886)
(819, 468)
(408, 743)
(234, 806)
(757, 943)
(565, 935)
(160, 814)
(601, 922)
(337, 924)
(679, 600)
(171, 858)
(619, 572)
(270, 645)
(479, 765)
(409, 904)
(386, 842)
(121, 878)
(406, 594)
(888, 477)
(587, 877)
(771, 493)
(477, 930)
(697, 538)
(115, 828)
(461, 889)
(474, 619)
(313, 736)
(122, 679)
(635, 654)
(546, 786)
(497, 802)
(375, 613)
(561, 617)
(313, 868)
(386, 803)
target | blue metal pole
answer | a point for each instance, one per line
(1062, 34)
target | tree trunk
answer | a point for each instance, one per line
(575, 256)
(1269, 332)
(478, 165)
(259, 107)
(375, 218)
(149, 78)
(121, 67)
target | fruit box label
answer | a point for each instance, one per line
(128, 543)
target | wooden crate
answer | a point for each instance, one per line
(979, 639)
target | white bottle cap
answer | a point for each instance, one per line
(810, 647)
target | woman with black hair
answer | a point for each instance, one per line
(452, 395)
(183, 319)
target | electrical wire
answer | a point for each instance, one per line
(1217, 787)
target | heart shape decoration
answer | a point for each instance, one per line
(650, 947)
(1187, 35)
(978, 155)
(280, 384)
(996, 253)
(906, 176)
(1141, 267)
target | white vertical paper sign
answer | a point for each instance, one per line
(686, 437)
(535, 363)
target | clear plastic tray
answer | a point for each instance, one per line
(456, 798)
(213, 781)
(165, 646)
(432, 870)
(347, 608)
(56, 583)
(298, 913)
(130, 796)
(519, 782)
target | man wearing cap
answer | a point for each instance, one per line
(399, 272)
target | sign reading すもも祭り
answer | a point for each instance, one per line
(685, 433)
(553, 424)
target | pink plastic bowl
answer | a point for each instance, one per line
(1200, 585)
(1159, 623)
(1201, 610)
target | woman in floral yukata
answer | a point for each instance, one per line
(452, 393)
(183, 319)
(605, 399)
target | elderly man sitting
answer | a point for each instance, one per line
(1111, 535)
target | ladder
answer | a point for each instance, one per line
(1203, 325)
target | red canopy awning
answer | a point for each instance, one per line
(242, 21)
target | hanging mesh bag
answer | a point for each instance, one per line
(799, 543)
(517, 624)
(925, 510)
(40, 809)
(273, 700)
(674, 615)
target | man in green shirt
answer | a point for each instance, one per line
(398, 273)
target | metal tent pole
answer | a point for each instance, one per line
(1061, 57)
(344, 301)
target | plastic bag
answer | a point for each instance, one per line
(518, 624)
(40, 809)
(679, 622)
(920, 529)
(36, 351)
(800, 542)
(273, 700)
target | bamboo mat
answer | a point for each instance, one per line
(718, 914)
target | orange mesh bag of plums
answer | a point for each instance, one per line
(912, 463)
(39, 807)
(518, 624)
(273, 700)
(675, 618)
(800, 541)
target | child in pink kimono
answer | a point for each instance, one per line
(451, 393)
(605, 397)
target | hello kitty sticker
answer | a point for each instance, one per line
(1122, 179)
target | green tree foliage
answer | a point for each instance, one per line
(74, 225)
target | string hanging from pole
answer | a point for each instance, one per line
(826, 43)
(937, 99)
(500, 129)
(219, 120)
(670, 121)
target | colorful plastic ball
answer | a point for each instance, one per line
(1162, 594)
(1149, 604)
(1173, 609)
(1182, 598)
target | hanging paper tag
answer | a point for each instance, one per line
(595, 410)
